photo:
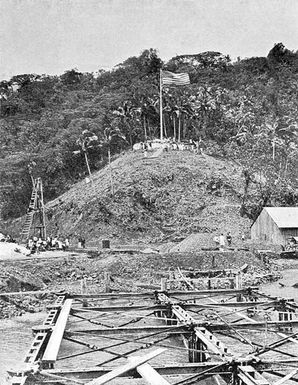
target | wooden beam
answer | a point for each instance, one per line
(209, 340)
(287, 377)
(151, 375)
(195, 378)
(131, 364)
(51, 353)
(130, 330)
(116, 308)
(189, 306)
(212, 343)
(171, 369)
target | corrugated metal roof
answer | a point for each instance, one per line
(284, 217)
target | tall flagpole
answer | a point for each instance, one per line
(160, 104)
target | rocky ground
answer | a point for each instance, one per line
(72, 272)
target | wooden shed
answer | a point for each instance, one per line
(275, 225)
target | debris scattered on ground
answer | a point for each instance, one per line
(126, 273)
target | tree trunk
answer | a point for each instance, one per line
(164, 126)
(174, 123)
(111, 174)
(145, 131)
(88, 167)
(148, 129)
(179, 129)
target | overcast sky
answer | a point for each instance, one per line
(52, 36)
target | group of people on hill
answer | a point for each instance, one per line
(36, 245)
(196, 146)
(223, 240)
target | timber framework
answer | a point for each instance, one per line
(232, 336)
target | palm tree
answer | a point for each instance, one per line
(110, 135)
(86, 140)
(128, 114)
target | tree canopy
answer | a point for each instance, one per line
(247, 110)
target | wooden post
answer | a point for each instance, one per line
(238, 285)
(163, 284)
(174, 123)
(107, 288)
(209, 284)
(84, 290)
(190, 349)
(145, 131)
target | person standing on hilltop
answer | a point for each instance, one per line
(221, 242)
(201, 146)
(229, 238)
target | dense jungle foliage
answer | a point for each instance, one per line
(247, 111)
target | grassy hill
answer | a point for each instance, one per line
(154, 200)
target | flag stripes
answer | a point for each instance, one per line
(169, 78)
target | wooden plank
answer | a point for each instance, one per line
(170, 329)
(287, 377)
(114, 308)
(53, 346)
(131, 364)
(170, 369)
(212, 343)
(151, 375)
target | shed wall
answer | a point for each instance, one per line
(265, 229)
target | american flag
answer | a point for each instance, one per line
(169, 78)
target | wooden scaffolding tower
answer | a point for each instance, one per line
(35, 224)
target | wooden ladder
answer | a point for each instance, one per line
(35, 205)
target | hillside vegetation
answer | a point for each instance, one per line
(162, 199)
(246, 112)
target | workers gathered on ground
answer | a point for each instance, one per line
(36, 245)
(223, 242)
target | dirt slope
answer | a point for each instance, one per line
(154, 200)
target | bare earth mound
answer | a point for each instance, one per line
(155, 200)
